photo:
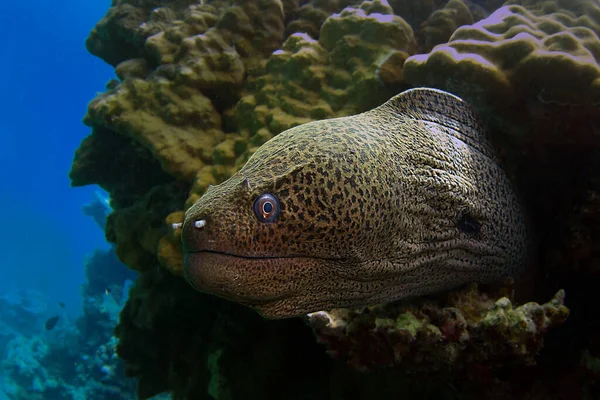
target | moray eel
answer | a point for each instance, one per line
(406, 199)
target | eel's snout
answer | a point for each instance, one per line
(194, 234)
(194, 239)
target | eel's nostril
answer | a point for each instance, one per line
(199, 224)
(193, 234)
(177, 225)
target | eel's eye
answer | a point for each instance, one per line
(266, 207)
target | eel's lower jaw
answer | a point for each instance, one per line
(237, 278)
(275, 287)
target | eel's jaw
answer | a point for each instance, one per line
(275, 287)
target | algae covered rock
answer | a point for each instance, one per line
(468, 326)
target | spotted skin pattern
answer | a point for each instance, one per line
(372, 209)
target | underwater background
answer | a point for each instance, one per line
(118, 116)
(50, 344)
(51, 77)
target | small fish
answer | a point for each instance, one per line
(107, 291)
(51, 322)
(61, 304)
(404, 200)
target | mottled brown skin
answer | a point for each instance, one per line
(372, 210)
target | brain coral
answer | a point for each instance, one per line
(345, 71)
(442, 23)
(516, 56)
(311, 15)
(202, 54)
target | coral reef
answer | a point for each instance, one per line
(58, 367)
(136, 230)
(441, 24)
(354, 65)
(466, 328)
(416, 12)
(201, 85)
(167, 110)
(128, 174)
(215, 342)
(309, 17)
(21, 312)
(516, 59)
(74, 360)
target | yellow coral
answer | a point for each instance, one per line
(341, 73)
(516, 53)
(179, 125)
(442, 23)
(169, 246)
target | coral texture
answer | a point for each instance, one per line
(518, 56)
(348, 70)
(203, 52)
(359, 53)
(468, 327)
(442, 23)
(310, 16)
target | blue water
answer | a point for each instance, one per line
(46, 240)
(48, 79)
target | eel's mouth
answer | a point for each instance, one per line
(267, 284)
(250, 257)
(250, 280)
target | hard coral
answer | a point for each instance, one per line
(204, 53)
(464, 328)
(179, 125)
(515, 56)
(442, 23)
(120, 35)
(415, 12)
(128, 173)
(213, 47)
(119, 26)
(337, 75)
(311, 15)
(137, 229)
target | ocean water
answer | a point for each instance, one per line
(46, 240)
(48, 79)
